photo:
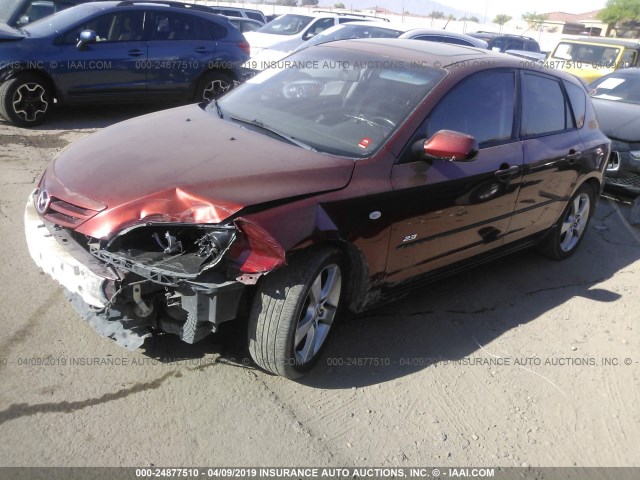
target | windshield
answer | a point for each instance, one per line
(332, 100)
(596, 55)
(62, 20)
(287, 25)
(619, 88)
(348, 31)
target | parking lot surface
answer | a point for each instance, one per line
(524, 361)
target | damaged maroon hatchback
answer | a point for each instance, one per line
(358, 170)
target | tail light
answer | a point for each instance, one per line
(246, 48)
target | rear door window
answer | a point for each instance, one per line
(544, 108)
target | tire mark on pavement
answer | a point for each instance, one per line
(23, 333)
(291, 413)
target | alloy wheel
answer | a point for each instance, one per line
(575, 222)
(317, 314)
(29, 101)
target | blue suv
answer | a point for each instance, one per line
(127, 51)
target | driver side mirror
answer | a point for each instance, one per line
(86, 37)
(23, 20)
(447, 145)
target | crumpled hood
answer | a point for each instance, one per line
(183, 165)
(618, 120)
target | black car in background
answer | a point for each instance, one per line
(503, 42)
(616, 99)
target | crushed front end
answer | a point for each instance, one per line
(180, 278)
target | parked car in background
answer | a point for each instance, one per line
(284, 34)
(366, 29)
(592, 58)
(503, 42)
(237, 12)
(17, 13)
(306, 191)
(128, 51)
(616, 98)
(352, 30)
(245, 24)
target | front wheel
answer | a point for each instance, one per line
(568, 232)
(293, 311)
(25, 100)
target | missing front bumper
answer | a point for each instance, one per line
(55, 260)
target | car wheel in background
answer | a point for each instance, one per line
(570, 228)
(25, 100)
(212, 85)
(293, 311)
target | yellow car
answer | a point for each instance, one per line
(592, 58)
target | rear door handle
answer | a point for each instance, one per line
(135, 52)
(573, 156)
(202, 50)
(507, 171)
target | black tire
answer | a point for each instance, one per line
(25, 100)
(284, 305)
(567, 233)
(212, 86)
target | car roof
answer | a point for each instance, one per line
(446, 54)
(404, 28)
(604, 41)
(409, 50)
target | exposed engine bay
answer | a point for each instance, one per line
(183, 279)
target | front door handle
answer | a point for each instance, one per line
(202, 50)
(507, 171)
(136, 52)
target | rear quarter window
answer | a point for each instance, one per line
(578, 100)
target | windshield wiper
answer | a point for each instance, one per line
(218, 109)
(257, 123)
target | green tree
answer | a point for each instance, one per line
(534, 20)
(304, 3)
(623, 15)
(469, 19)
(287, 3)
(338, 5)
(436, 14)
(502, 19)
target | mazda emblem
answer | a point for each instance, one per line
(42, 204)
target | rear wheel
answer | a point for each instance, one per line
(25, 100)
(212, 86)
(293, 312)
(568, 232)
